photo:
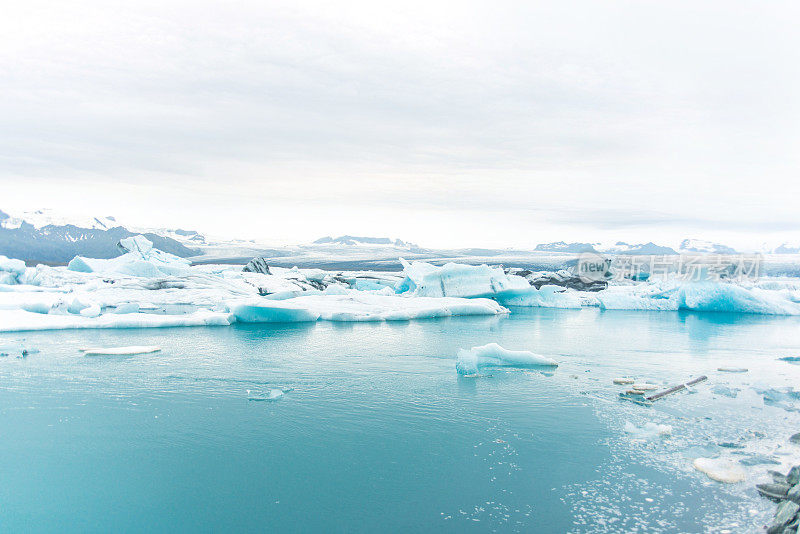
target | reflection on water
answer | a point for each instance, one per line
(376, 431)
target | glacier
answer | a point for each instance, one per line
(146, 287)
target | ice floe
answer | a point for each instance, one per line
(471, 361)
(722, 469)
(20, 320)
(649, 430)
(121, 351)
(360, 306)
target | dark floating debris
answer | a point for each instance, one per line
(675, 389)
(785, 489)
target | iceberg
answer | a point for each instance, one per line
(11, 270)
(20, 320)
(700, 296)
(457, 280)
(547, 296)
(470, 361)
(358, 306)
(121, 351)
(140, 260)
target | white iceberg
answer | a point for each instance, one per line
(20, 320)
(141, 260)
(470, 361)
(356, 306)
(121, 351)
(701, 296)
(11, 270)
(457, 280)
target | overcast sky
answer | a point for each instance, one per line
(447, 124)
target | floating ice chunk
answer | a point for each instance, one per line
(781, 397)
(11, 270)
(273, 312)
(648, 431)
(141, 260)
(360, 306)
(547, 296)
(720, 469)
(644, 386)
(127, 307)
(457, 280)
(732, 369)
(12, 265)
(725, 391)
(623, 381)
(470, 361)
(20, 320)
(121, 351)
(137, 243)
(92, 310)
(709, 296)
(700, 296)
(334, 289)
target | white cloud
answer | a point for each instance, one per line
(444, 123)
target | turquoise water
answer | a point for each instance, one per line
(377, 431)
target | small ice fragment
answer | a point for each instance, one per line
(120, 351)
(493, 355)
(623, 381)
(732, 369)
(725, 391)
(720, 469)
(644, 387)
(648, 431)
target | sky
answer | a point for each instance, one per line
(449, 124)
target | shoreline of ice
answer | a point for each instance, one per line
(123, 292)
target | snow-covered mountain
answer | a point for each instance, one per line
(786, 248)
(46, 217)
(561, 246)
(706, 247)
(44, 236)
(354, 241)
(619, 247)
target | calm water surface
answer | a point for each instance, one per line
(378, 433)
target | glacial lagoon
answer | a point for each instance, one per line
(376, 431)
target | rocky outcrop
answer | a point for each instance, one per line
(560, 278)
(786, 490)
(257, 265)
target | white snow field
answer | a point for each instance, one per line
(145, 287)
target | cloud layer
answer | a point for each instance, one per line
(443, 124)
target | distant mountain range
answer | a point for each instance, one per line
(43, 236)
(39, 238)
(620, 247)
(350, 240)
